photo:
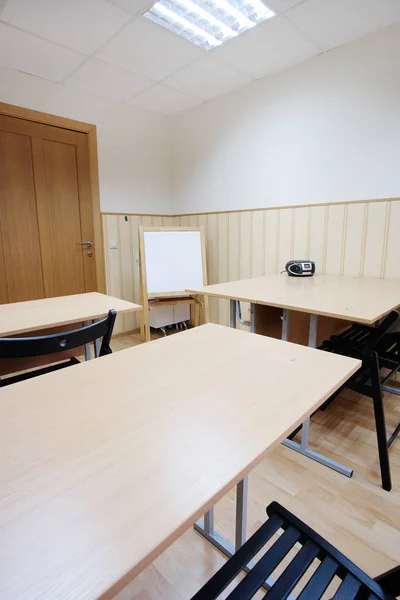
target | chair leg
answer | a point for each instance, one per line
(380, 423)
(382, 444)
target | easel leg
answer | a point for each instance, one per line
(142, 336)
(145, 324)
(196, 312)
(206, 310)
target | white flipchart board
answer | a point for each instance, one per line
(174, 260)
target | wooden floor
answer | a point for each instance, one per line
(356, 515)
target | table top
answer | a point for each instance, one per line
(106, 463)
(361, 299)
(20, 317)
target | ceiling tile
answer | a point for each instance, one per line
(146, 48)
(27, 53)
(267, 48)
(107, 80)
(331, 23)
(82, 25)
(280, 6)
(134, 7)
(207, 78)
(164, 100)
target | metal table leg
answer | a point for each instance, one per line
(303, 447)
(206, 527)
(97, 344)
(232, 314)
(88, 355)
(241, 513)
(252, 318)
(391, 389)
(312, 334)
(285, 324)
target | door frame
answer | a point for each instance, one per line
(90, 130)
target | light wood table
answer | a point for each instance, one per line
(46, 313)
(359, 299)
(106, 464)
(22, 317)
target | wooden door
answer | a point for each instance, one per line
(22, 269)
(45, 212)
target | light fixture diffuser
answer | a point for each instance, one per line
(208, 23)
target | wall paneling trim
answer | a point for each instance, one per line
(355, 238)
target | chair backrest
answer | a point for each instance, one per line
(316, 565)
(27, 347)
(355, 582)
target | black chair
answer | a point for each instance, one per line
(351, 582)
(378, 349)
(29, 347)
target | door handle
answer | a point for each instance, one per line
(88, 244)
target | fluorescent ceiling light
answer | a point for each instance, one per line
(208, 23)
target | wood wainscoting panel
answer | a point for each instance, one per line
(391, 266)
(335, 239)
(344, 238)
(354, 239)
(375, 239)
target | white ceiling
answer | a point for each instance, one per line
(108, 49)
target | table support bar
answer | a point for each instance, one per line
(228, 550)
(323, 460)
(206, 529)
(241, 513)
(97, 344)
(312, 334)
(285, 324)
(303, 447)
(88, 355)
(252, 318)
(232, 314)
(391, 389)
(209, 521)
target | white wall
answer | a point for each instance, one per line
(327, 130)
(133, 145)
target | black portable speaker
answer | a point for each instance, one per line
(300, 268)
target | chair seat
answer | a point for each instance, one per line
(317, 561)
